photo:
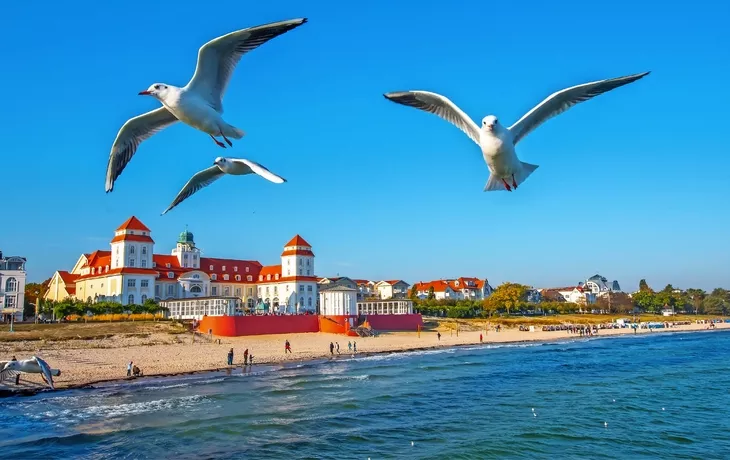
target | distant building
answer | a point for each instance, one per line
(385, 307)
(197, 307)
(600, 286)
(574, 294)
(457, 289)
(392, 289)
(12, 287)
(338, 300)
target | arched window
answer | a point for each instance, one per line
(131, 249)
(249, 278)
(309, 302)
(195, 289)
(11, 285)
(301, 301)
(144, 298)
(130, 299)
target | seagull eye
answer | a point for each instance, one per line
(157, 86)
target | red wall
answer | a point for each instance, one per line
(395, 322)
(232, 326)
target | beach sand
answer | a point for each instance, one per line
(84, 362)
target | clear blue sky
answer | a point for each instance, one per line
(633, 184)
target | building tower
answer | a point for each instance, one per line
(297, 268)
(187, 254)
(132, 245)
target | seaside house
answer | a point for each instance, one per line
(458, 289)
(599, 285)
(130, 273)
(12, 287)
(392, 289)
(338, 300)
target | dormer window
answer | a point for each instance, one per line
(92, 270)
(235, 269)
(276, 276)
(268, 277)
(224, 268)
(170, 275)
(238, 277)
(249, 278)
(261, 277)
(210, 268)
(167, 265)
(154, 264)
(246, 269)
(214, 277)
(225, 277)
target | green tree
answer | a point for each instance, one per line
(644, 287)
(508, 296)
(646, 301)
(431, 293)
(695, 298)
(414, 292)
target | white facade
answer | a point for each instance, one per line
(196, 308)
(392, 289)
(455, 289)
(12, 288)
(385, 307)
(338, 300)
(290, 287)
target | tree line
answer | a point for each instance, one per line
(510, 298)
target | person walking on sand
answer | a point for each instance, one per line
(245, 356)
(337, 344)
(129, 369)
(349, 346)
(438, 334)
(287, 347)
(230, 357)
(354, 346)
(481, 339)
(332, 348)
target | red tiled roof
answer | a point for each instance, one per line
(133, 224)
(438, 286)
(67, 278)
(298, 241)
(392, 282)
(359, 282)
(297, 252)
(129, 237)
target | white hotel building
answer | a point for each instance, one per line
(12, 287)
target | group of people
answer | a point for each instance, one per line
(133, 370)
(351, 347)
(247, 357)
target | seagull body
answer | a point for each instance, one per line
(497, 142)
(34, 365)
(221, 167)
(200, 102)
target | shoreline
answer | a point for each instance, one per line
(392, 346)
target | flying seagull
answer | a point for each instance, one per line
(34, 365)
(221, 167)
(200, 102)
(497, 142)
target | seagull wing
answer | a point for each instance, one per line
(439, 105)
(197, 182)
(559, 102)
(45, 369)
(260, 170)
(134, 131)
(218, 58)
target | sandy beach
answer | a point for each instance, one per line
(85, 362)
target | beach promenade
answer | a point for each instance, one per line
(87, 361)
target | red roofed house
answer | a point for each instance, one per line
(130, 273)
(458, 289)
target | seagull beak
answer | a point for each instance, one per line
(144, 93)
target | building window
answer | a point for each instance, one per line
(144, 263)
(157, 290)
(185, 256)
(235, 269)
(144, 250)
(300, 261)
(268, 277)
(117, 252)
(225, 277)
(301, 288)
(195, 289)
(226, 291)
(309, 288)
(131, 249)
(167, 265)
(261, 277)
(214, 290)
(309, 301)
(246, 269)
(170, 275)
(214, 277)
(143, 283)
(307, 262)
(307, 272)
(170, 289)
(130, 299)
(238, 277)
(224, 268)
(195, 257)
(131, 283)
(249, 278)
(144, 298)
(131, 262)
(238, 292)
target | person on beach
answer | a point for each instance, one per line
(337, 344)
(287, 347)
(354, 346)
(349, 346)
(230, 357)
(438, 334)
(250, 360)
(332, 348)
(245, 356)
(129, 369)
(136, 371)
(481, 339)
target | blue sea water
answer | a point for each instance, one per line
(648, 396)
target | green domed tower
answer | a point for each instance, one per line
(185, 251)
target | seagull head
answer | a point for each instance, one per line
(157, 90)
(490, 123)
(11, 366)
(220, 161)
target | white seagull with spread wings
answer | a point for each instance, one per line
(221, 167)
(34, 365)
(496, 141)
(199, 103)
